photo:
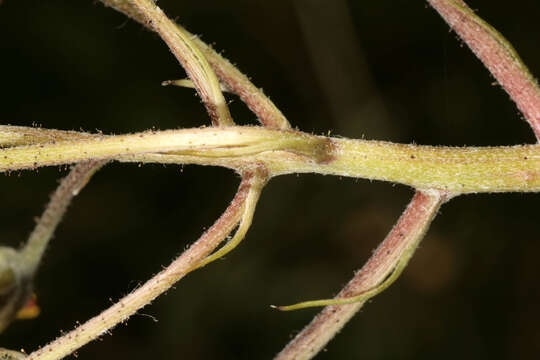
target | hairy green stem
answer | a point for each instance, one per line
(453, 169)
(22, 135)
(437, 171)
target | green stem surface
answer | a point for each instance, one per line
(457, 170)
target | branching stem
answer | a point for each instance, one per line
(452, 169)
(160, 283)
(191, 58)
(258, 153)
(268, 114)
(259, 180)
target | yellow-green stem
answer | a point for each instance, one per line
(453, 169)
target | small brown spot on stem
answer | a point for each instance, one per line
(326, 151)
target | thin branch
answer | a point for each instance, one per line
(191, 58)
(268, 114)
(400, 242)
(126, 7)
(18, 268)
(260, 177)
(70, 186)
(498, 56)
(144, 295)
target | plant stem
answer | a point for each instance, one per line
(401, 241)
(268, 114)
(23, 135)
(191, 58)
(154, 287)
(498, 56)
(70, 186)
(17, 268)
(452, 169)
(260, 177)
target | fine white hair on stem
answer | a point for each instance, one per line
(262, 152)
(397, 247)
(259, 179)
(164, 280)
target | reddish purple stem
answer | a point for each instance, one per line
(498, 57)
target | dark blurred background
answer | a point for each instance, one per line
(388, 70)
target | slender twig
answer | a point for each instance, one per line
(249, 189)
(70, 186)
(191, 58)
(18, 268)
(268, 114)
(260, 177)
(497, 54)
(403, 239)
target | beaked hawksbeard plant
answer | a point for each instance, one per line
(257, 154)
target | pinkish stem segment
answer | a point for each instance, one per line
(410, 228)
(497, 55)
(154, 287)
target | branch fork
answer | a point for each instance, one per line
(257, 154)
